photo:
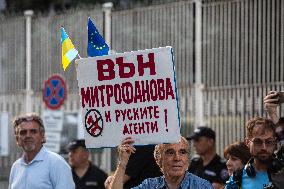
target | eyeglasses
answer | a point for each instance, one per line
(24, 132)
(172, 152)
(259, 143)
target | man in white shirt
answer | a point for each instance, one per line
(38, 168)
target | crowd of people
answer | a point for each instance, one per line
(255, 162)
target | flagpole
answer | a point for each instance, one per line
(76, 64)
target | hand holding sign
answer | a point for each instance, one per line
(125, 149)
(130, 94)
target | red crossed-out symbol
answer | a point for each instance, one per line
(94, 122)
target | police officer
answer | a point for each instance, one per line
(85, 175)
(208, 165)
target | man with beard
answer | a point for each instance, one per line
(38, 167)
(261, 141)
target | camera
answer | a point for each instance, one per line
(280, 97)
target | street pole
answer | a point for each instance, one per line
(28, 14)
(106, 160)
(199, 109)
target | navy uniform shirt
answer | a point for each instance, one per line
(94, 178)
(215, 171)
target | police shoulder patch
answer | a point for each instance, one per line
(196, 158)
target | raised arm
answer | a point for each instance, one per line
(271, 102)
(124, 151)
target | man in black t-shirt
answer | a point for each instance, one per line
(209, 165)
(141, 165)
(85, 175)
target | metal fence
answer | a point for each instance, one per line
(158, 26)
(46, 60)
(242, 57)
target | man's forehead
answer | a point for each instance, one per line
(28, 124)
(260, 130)
(175, 146)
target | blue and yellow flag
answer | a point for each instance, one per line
(68, 50)
(96, 44)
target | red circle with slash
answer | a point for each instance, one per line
(94, 122)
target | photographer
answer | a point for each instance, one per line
(271, 102)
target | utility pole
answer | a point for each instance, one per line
(28, 14)
(199, 109)
(106, 163)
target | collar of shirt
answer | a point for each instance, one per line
(184, 182)
(88, 172)
(39, 157)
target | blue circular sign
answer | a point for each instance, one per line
(54, 92)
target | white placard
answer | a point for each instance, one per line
(80, 126)
(53, 136)
(52, 120)
(129, 94)
(4, 144)
(53, 141)
(53, 146)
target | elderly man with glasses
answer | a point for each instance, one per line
(173, 160)
(38, 167)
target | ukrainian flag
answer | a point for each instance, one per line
(68, 50)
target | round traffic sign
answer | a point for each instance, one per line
(54, 92)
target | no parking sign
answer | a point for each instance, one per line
(54, 92)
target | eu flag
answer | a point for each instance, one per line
(96, 44)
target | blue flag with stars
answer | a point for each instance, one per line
(96, 44)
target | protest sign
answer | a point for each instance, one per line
(129, 94)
